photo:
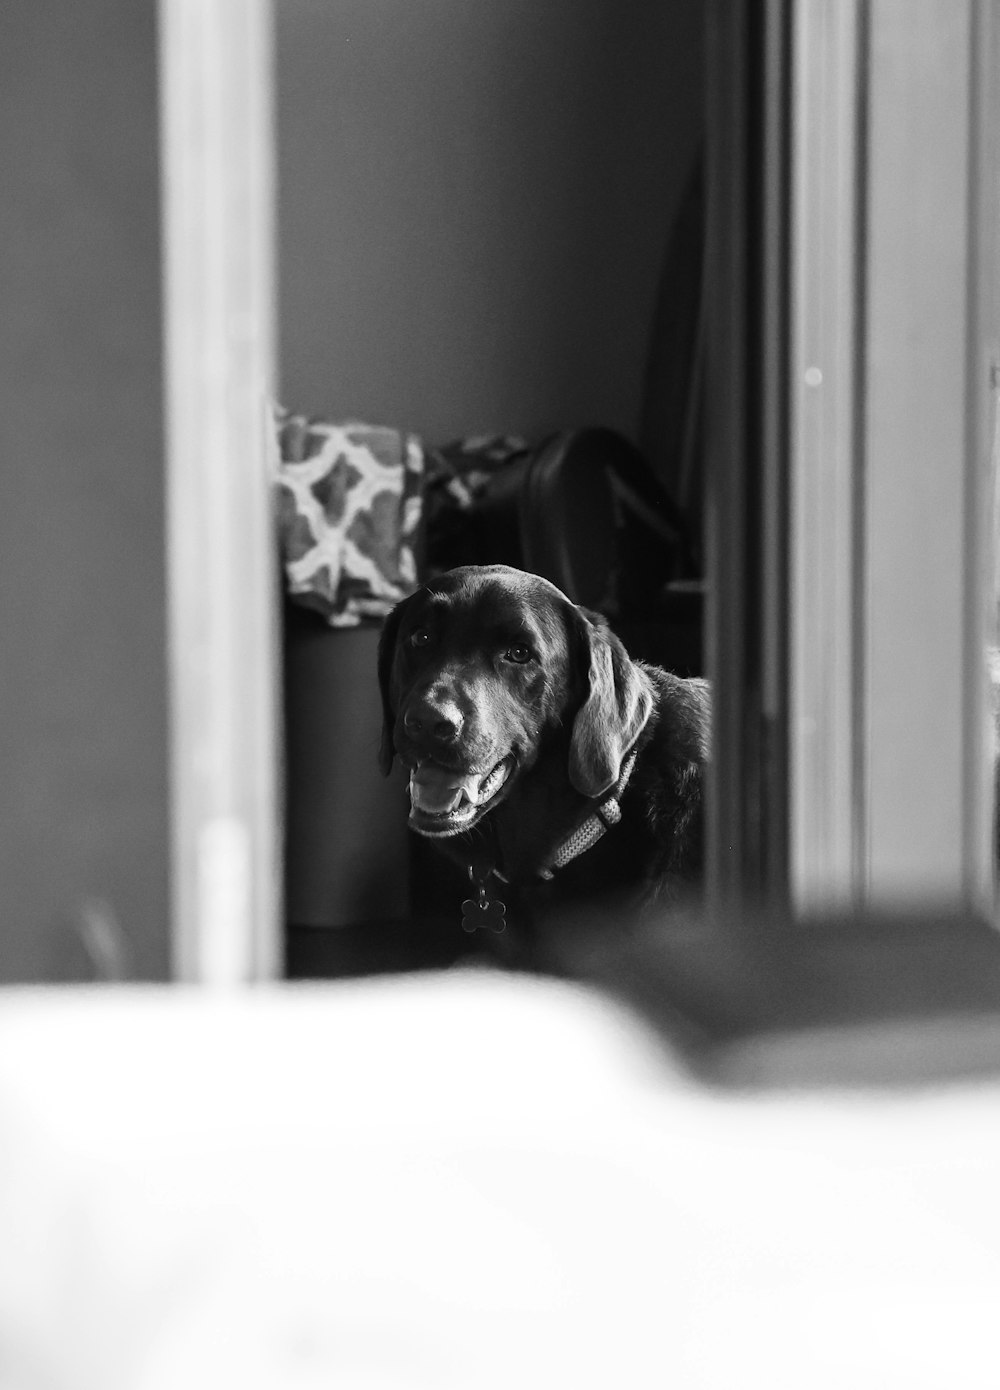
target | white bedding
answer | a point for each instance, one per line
(466, 1180)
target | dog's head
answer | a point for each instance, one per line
(478, 672)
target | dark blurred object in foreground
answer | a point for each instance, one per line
(759, 1002)
(767, 1001)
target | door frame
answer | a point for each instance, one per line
(218, 189)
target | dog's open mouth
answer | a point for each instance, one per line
(443, 802)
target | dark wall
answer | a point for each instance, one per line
(83, 802)
(475, 200)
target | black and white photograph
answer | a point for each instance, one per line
(500, 696)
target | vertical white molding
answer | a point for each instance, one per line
(827, 808)
(982, 714)
(895, 213)
(219, 306)
(927, 842)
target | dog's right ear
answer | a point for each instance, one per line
(386, 658)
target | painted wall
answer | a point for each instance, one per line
(83, 801)
(475, 202)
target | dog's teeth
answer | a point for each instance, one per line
(469, 788)
(439, 792)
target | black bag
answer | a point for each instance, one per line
(582, 508)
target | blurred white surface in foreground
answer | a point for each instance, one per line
(467, 1180)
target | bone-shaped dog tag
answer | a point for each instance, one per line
(483, 912)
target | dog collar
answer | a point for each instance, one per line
(585, 836)
(485, 910)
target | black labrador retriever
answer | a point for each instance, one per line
(551, 765)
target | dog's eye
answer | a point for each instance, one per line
(518, 653)
(420, 637)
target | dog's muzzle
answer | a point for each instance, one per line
(444, 802)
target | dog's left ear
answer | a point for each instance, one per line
(613, 714)
(386, 657)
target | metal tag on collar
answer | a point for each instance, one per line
(482, 910)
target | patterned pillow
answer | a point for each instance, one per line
(349, 502)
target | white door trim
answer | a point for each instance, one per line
(217, 153)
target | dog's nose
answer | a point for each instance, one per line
(442, 722)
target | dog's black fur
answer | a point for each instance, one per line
(492, 668)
